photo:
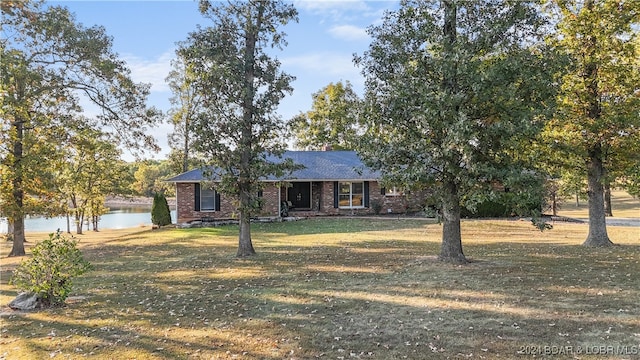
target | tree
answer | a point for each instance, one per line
(149, 178)
(90, 170)
(160, 212)
(629, 179)
(332, 120)
(50, 64)
(452, 97)
(187, 102)
(597, 119)
(241, 86)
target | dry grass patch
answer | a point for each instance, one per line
(340, 288)
(623, 206)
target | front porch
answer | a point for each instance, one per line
(301, 198)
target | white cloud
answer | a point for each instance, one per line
(331, 6)
(335, 11)
(347, 11)
(323, 63)
(349, 32)
(153, 71)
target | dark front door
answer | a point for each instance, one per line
(300, 195)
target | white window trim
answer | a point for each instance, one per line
(394, 191)
(351, 195)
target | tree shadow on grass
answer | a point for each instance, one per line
(376, 298)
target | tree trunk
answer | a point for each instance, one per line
(595, 166)
(185, 149)
(18, 237)
(245, 246)
(451, 250)
(597, 221)
(18, 192)
(9, 230)
(79, 222)
(608, 211)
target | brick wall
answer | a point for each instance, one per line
(185, 205)
(395, 203)
(271, 201)
(322, 202)
(398, 204)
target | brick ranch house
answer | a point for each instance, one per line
(330, 183)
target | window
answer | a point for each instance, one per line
(391, 191)
(351, 195)
(207, 200)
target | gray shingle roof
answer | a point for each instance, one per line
(318, 166)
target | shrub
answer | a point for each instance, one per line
(160, 212)
(376, 205)
(51, 269)
(505, 205)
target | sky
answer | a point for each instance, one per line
(320, 46)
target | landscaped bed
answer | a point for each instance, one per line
(340, 288)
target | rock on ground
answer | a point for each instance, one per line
(26, 301)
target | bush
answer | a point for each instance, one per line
(51, 269)
(160, 212)
(489, 208)
(376, 205)
(505, 205)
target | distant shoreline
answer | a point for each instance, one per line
(117, 201)
(122, 210)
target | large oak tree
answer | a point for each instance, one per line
(51, 66)
(241, 85)
(452, 94)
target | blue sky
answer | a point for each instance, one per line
(320, 50)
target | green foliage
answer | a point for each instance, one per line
(332, 120)
(150, 176)
(631, 182)
(454, 94)
(52, 66)
(489, 208)
(240, 124)
(241, 86)
(596, 125)
(90, 170)
(186, 106)
(540, 222)
(376, 205)
(160, 212)
(503, 205)
(50, 271)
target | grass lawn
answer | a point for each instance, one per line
(340, 288)
(623, 206)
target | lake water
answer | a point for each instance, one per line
(116, 218)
